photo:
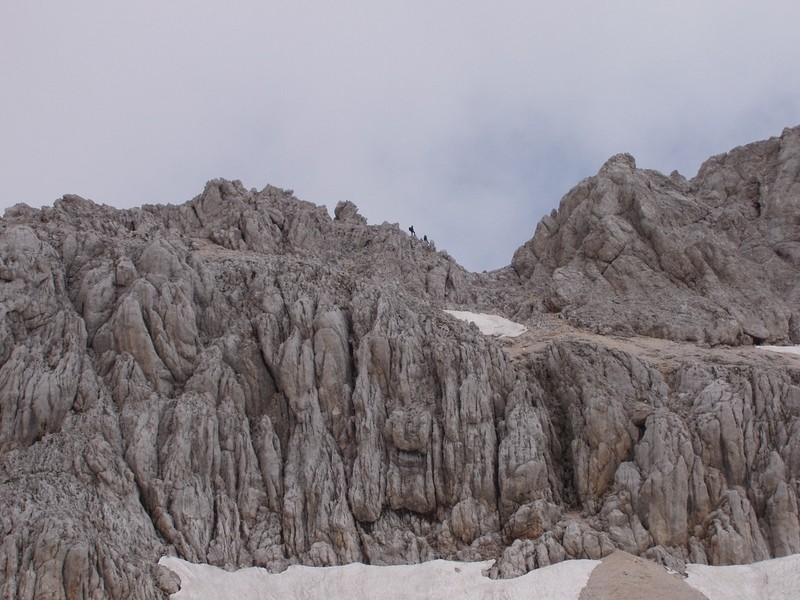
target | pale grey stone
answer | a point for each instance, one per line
(243, 380)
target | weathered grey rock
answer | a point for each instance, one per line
(711, 260)
(242, 380)
(347, 211)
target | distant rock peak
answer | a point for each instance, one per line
(623, 162)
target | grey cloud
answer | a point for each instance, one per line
(470, 122)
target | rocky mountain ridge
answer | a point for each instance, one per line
(711, 260)
(244, 380)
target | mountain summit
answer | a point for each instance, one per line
(711, 260)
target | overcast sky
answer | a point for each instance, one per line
(469, 120)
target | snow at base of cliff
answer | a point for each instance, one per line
(439, 579)
(776, 579)
(490, 324)
(786, 349)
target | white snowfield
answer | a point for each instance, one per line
(776, 579)
(787, 349)
(438, 579)
(490, 324)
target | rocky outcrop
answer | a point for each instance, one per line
(711, 260)
(210, 372)
(242, 380)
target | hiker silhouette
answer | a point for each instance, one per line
(411, 229)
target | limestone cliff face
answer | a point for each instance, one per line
(243, 380)
(711, 260)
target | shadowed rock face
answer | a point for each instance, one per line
(242, 380)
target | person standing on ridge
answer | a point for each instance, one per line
(411, 229)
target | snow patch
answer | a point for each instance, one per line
(438, 579)
(776, 579)
(490, 324)
(786, 349)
